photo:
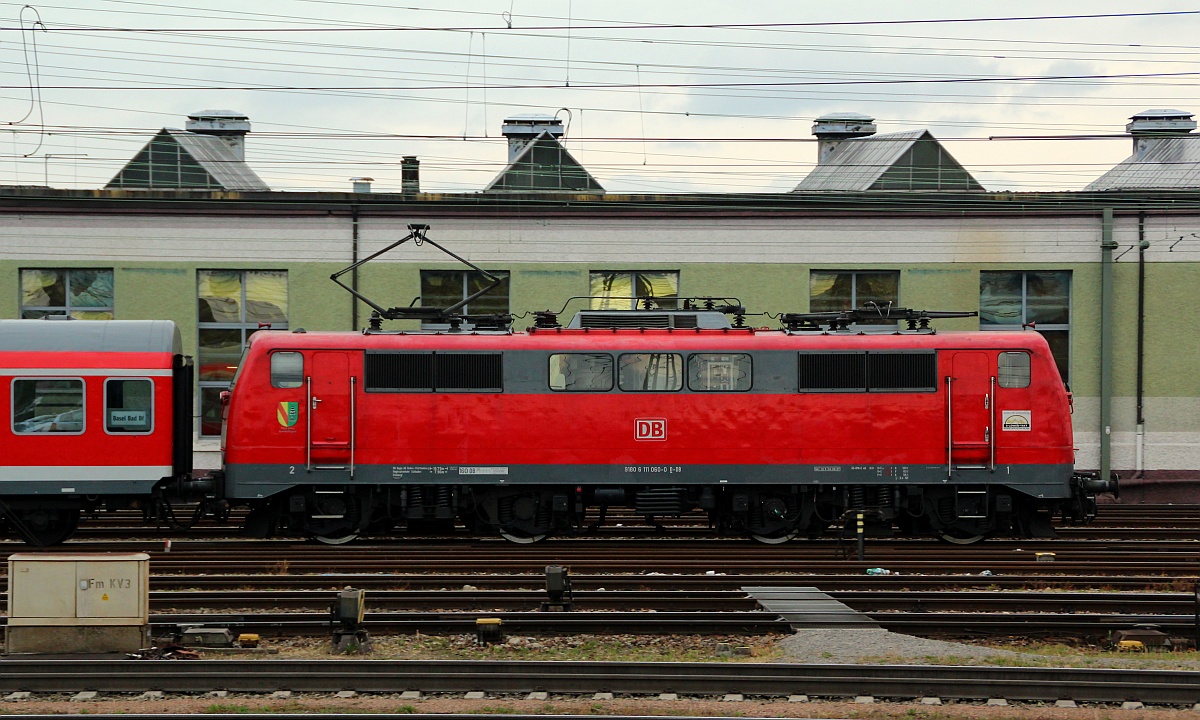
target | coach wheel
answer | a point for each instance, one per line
(775, 538)
(46, 527)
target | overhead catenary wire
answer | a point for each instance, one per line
(430, 68)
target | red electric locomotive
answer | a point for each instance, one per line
(665, 411)
(100, 417)
(772, 433)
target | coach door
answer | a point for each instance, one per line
(331, 399)
(969, 431)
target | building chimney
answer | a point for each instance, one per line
(410, 175)
(229, 125)
(1150, 126)
(833, 128)
(362, 184)
(524, 129)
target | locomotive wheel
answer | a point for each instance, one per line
(46, 527)
(775, 538)
(335, 539)
(522, 538)
(959, 537)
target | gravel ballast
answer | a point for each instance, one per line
(864, 645)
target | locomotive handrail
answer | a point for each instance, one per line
(992, 426)
(949, 429)
(353, 423)
(308, 405)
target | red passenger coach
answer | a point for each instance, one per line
(100, 417)
(771, 433)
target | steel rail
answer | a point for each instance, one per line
(696, 679)
(950, 624)
(696, 583)
(674, 600)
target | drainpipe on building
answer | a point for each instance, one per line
(1107, 245)
(354, 272)
(1143, 243)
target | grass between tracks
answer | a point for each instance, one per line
(704, 648)
(624, 648)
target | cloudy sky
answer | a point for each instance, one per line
(701, 96)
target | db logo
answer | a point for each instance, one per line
(650, 429)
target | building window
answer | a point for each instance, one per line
(83, 294)
(837, 290)
(443, 288)
(617, 290)
(232, 306)
(1010, 299)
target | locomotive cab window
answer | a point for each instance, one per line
(287, 369)
(1013, 369)
(128, 406)
(650, 372)
(43, 405)
(719, 372)
(581, 372)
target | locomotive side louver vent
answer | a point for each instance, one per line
(637, 319)
(868, 372)
(411, 372)
(912, 372)
(468, 371)
(632, 320)
(430, 372)
(833, 372)
(661, 501)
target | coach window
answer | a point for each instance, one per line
(1010, 299)
(1013, 370)
(128, 406)
(80, 293)
(443, 288)
(287, 370)
(650, 372)
(619, 289)
(836, 290)
(715, 372)
(581, 372)
(47, 406)
(231, 306)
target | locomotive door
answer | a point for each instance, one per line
(331, 412)
(969, 431)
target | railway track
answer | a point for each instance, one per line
(1177, 688)
(1174, 562)
(685, 601)
(1161, 522)
(694, 583)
